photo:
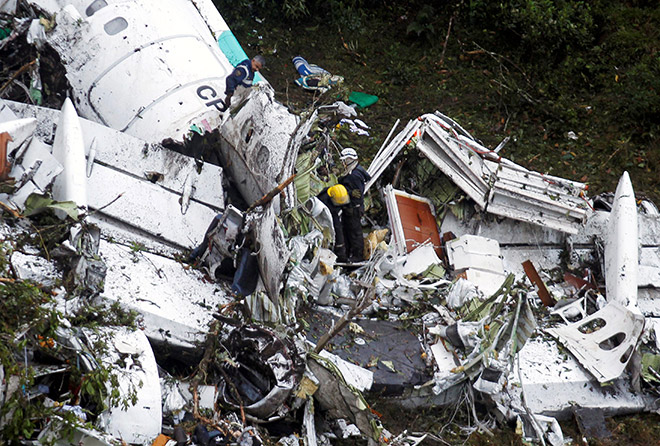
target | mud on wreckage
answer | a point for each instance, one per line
(482, 281)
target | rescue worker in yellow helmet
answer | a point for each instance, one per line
(336, 198)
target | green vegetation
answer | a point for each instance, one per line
(533, 70)
(29, 323)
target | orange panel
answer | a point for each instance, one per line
(418, 222)
(161, 440)
(4, 165)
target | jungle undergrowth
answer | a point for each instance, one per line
(587, 113)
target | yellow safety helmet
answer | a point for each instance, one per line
(338, 194)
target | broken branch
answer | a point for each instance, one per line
(11, 210)
(345, 319)
(611, 156)
(16, 74)
(444, 45)
(272, 194)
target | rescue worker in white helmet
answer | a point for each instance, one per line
(354, 180)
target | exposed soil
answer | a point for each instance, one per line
(481, 88)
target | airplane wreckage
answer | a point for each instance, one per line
(485, 281)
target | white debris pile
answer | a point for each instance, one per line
(478, 280)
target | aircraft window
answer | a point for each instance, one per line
(95, 6)
(116, 25)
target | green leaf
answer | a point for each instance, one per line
(36, 204)
(389, 365)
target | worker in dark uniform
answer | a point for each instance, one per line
(336, 199)
(354, 181)
(243, 75)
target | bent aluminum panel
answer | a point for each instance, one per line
(173, 302)
(273, 254)
(257, 147)
(147, 207)
(463, 167)
(470, 251)
(387, 154)
(603, 342)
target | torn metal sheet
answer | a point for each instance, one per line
(546, 376)
(288, 167)
(412, 220)
(388, 153)
(173, 302)
(603, 342)
(446, 362)
(128, 205)
(571, 311)
(540, 199)
(37, 165)
(309, 428)
(462, 165)
(420, 260)
(273, 253)
(497, 185)
(487, 282)
(267, 369)
(339, 400)
(461, 292)
(463, 335)
(490, 381)
(536, 427)
(478, 260)
(354, 375)
(175, 397)
(260, 145)
(132, 359)
(621, 246)
(471, 251)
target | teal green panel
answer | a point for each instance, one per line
(232, 49)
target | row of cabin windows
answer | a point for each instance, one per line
(114, 26)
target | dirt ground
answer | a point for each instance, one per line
(463, 82)
(411, 79)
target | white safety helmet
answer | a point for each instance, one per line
(348, 154)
